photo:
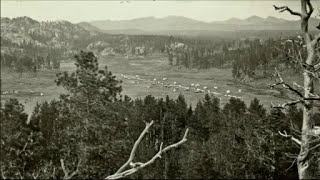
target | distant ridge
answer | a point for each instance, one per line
(62, 33)
(176, 23)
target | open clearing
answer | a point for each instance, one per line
(28, 89)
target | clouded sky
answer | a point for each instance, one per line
(85, 10)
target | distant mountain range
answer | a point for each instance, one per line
(152, 25)
(24, 32)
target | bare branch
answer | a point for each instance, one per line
(295, 128)
(76, 171)
(66, 172)
(290, 155)
(35, 175)
(27, 143)
(310, 8)
(63, 167)
(138, 165)
(299, 86)
(19, 173)
(184, 139)
(311, 69)
(314, 147)
(135, 146)
(290, 136)
(2, 175)
(285, 85)
(282, 106)
(293, 163)
(286, 8)
(54, 173)
(312, 99)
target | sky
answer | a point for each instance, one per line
(85, 10)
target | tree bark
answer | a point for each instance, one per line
(303, 160)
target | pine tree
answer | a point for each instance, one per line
(257, 109)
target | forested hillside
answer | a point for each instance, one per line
(29, 45)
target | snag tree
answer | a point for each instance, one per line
(309, 141)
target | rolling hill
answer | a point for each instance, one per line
(24, 35)
(24, 30)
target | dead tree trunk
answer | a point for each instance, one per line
(310, 70)
(307, 124)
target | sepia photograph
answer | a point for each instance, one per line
(160, 89)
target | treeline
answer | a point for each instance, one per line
(32, 61)
(245, 56)
(201, 54)
(126, 44)
(91, 130)
(266, 56)
(152, 43)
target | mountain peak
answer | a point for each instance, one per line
(175, 17)
(145, 18)
(180, 18)
(273, 18)
(25, 19)
(233, 20)
(254, 18)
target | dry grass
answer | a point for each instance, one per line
(148, 68)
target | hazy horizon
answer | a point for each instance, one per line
(207, 11)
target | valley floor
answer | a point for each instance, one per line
(29, 89)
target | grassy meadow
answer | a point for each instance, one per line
(30, 89)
